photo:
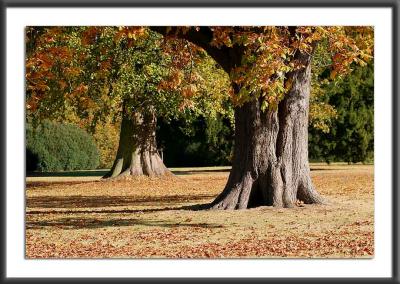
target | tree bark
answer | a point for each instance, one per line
(137, 151)
(270, 164)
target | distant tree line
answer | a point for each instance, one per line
(351, 135)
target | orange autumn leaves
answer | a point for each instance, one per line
(39, 70)
(45, 63)
(268, 55)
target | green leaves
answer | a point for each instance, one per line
(341, 113)
(60, 147)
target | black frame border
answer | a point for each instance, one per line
(393, 4)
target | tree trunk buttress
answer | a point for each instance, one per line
(270, 163)
(137, 150)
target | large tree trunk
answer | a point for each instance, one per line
(137, 151)
(270, 164)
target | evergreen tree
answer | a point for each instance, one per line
(351, 135)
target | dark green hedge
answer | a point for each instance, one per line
(59, 147)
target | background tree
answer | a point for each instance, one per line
(99, 74)
(350, 137)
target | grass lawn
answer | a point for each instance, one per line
(77, 215)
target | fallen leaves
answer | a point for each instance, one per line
(144, 218)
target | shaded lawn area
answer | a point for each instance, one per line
(89, 175)
(101, 172)
(146, 217)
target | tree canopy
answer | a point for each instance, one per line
(93, 71)
(263, 56)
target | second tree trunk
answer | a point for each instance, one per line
(137, 151)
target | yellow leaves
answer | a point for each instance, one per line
(349, 45)
(362, 63)
(366, 55)
(322, 115)
(119, 35)
(305, 47)
(42, 87)
(264, 105)
(72, 71)
(269, 52)
(338, 45)
(304, 29)
(186, 104)
(86, 103)
(132, 33)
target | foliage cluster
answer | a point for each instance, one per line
(94, 71)
(263, 57)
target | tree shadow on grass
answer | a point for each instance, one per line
(46, 184)
(333, 168)
(92, 223)
(77, 201)
(200, 171)
(101, 173)
(195, 207)
(89, 173)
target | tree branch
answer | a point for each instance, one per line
(201, 37)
